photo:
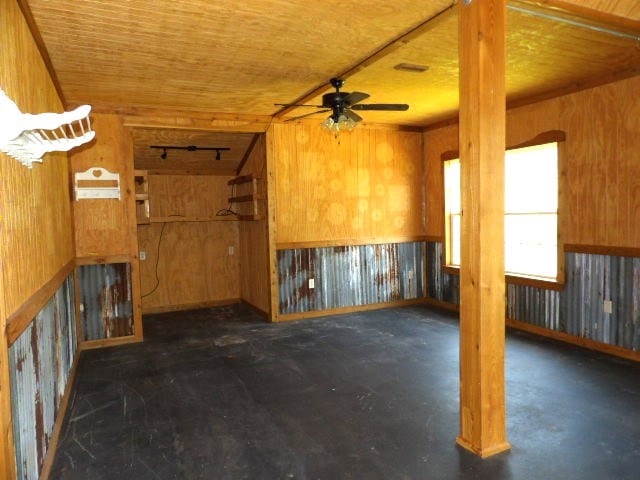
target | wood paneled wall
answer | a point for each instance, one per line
(435, 143)
(36, 231)
(178, 196)
(602, 177)
(254, 251)
(366, 186)
(194, 266)
(105, 227)
(37, 238)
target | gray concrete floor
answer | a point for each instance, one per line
(218, 394)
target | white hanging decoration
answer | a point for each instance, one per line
(28, 137)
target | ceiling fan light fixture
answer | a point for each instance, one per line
(337, 123)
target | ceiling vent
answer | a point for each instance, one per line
(411, 67)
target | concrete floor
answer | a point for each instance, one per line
(218, 394)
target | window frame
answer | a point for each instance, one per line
(551, 136)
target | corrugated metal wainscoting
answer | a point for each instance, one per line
(578, 309)
(349, 276)
(40, 363)
(441, 285)
(106, 301)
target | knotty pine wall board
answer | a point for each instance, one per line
(366, 184)
(35, 212)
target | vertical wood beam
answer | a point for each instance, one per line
(481, 33)
(272, 253)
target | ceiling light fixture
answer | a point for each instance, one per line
(189, 148)
(339, 121)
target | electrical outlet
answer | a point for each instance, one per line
(312, 283)
(608, 306)
(410, 274)
(143, 255)
(231, 250)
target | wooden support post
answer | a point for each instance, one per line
(481, 33)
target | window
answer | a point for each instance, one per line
(531, 211)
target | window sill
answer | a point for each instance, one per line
(518, 279)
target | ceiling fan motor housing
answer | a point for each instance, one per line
(335, 99)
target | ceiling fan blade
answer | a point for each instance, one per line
(352, 115)
(398, 107)
(355, 97)
(296, 105)
(306, 115)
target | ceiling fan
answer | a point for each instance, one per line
(342, 106)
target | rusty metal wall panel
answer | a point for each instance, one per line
(40, 366)
(578, 309)
(66, 334)
(592, 279)
(349, 276)
(24, 391)
(46, 345)
(106, 301)
(441, 285)
(537, 306)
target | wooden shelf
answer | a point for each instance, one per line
(245, 198)
(252, 197)
(142, 196)
(176, 219)
(240, 180)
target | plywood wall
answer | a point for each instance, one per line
(254, 252)
(602, 177)
(178, 196)
(106, 227)
(365, 187)
(192, 259)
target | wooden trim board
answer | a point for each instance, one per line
(190, 306)
(553, 334)
(103, 260)
(432, 302)
(349, 242)
(108, 342)
(574, 340)
(22, 317)
(286, 317)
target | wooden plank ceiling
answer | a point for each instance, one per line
(231, 57)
